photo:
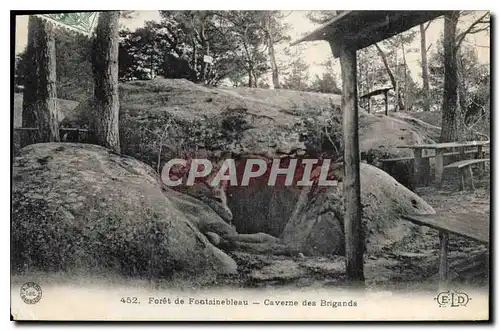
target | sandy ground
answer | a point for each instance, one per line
(411, 264)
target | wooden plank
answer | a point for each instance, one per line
(398, 159)
(354, 242)
(376, 92)
(321, 33)
(427, 156)
(471, 225)
(60, 129)
(359, 29)
(376, 26)
(465, 163)
(447, 145)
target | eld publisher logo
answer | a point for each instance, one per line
(452, 299)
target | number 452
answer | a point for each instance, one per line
(129, 300)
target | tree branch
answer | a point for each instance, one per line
(462, 35)
(427, 26)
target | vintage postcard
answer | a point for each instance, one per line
(251, 166)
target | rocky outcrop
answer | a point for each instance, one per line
(200, 215)
(81, 208)
(163, 119)
(316, 226)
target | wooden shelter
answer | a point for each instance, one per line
(369, 95)
(346, 33)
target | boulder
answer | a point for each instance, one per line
(200, 214)
(316, 226)
(83, 209)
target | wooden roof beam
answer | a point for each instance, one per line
(359, 29)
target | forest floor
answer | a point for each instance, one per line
(409, 264)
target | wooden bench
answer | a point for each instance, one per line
(472, 225)
(77, 134)
(465, 166)
(440, 149)
(388, 165)
(408, 158)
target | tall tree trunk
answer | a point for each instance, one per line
(30, 83)
(272, 57)
(206, 51)
(194, 57)
(105, 68)
(460, 116)
(401, 105)
(206, 65)
(425, 68)
(274, 66)
(250, 68)
(250, 78)
(405, 74)
(39, 101)
(449, 126)
(151, 65)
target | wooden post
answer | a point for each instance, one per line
(461, 153)
(386, 103)
(439, 166)
(443, 260)
(480, 155)
(369, 105)
(461, 185)
(352, 193)
(471, 178)
(417, 166)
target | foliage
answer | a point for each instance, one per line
(473, 85)
(321, 132)
(327, 82)
(141, 52)
(238, 42)
(322, 16)
(73, 67)
(297, 73)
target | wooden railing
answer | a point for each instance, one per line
(65, 134)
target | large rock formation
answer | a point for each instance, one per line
(317, 224)
(166, 118)
(81, 208)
